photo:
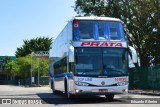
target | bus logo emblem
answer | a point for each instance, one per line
(103, 83)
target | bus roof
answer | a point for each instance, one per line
(96, 18)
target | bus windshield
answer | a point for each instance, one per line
(110, 62)
(97, 30)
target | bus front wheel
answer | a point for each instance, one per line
(53, 88)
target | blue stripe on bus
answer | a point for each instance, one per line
(63, 75)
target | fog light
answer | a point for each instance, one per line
(125, 90)
(76, 90)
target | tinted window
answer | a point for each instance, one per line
(98, 30)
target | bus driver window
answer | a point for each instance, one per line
(85, 30)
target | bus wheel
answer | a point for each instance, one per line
(109, 97)
(66, 90)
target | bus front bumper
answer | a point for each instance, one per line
(100, 90)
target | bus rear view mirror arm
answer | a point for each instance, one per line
(133, 54)
(71, 54)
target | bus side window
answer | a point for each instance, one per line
(71, 67)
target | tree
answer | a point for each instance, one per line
(41, 64)
(43, 67)
(5, 63)
(24, 64)
(12, 69)
(140, 17)
(38, 44)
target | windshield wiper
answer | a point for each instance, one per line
(119, 71)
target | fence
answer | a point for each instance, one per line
(145, 78)
(26, 81)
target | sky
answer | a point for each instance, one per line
(27, 19)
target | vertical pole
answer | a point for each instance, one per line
(67, 50)
(38, 71)
(31, 68)
(151, 65)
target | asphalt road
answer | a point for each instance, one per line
(38, 95)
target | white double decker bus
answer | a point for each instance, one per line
(91, 56)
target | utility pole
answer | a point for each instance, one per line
(31, 68)
(38, 70)
(151, 69)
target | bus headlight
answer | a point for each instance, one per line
(81, 83)
(122, 83)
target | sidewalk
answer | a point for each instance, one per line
(145, 92)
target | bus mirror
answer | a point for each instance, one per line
(71, 54)
(133, 54)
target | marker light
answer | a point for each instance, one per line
(75, 23)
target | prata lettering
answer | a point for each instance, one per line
(102, 44)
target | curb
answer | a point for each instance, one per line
(30, 86)
(144, 93)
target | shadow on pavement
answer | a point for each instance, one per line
(60, 98)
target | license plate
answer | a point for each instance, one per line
(103, 90)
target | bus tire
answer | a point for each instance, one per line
(68, 95)
(109, 97)
(53, 88)
(51, 85)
